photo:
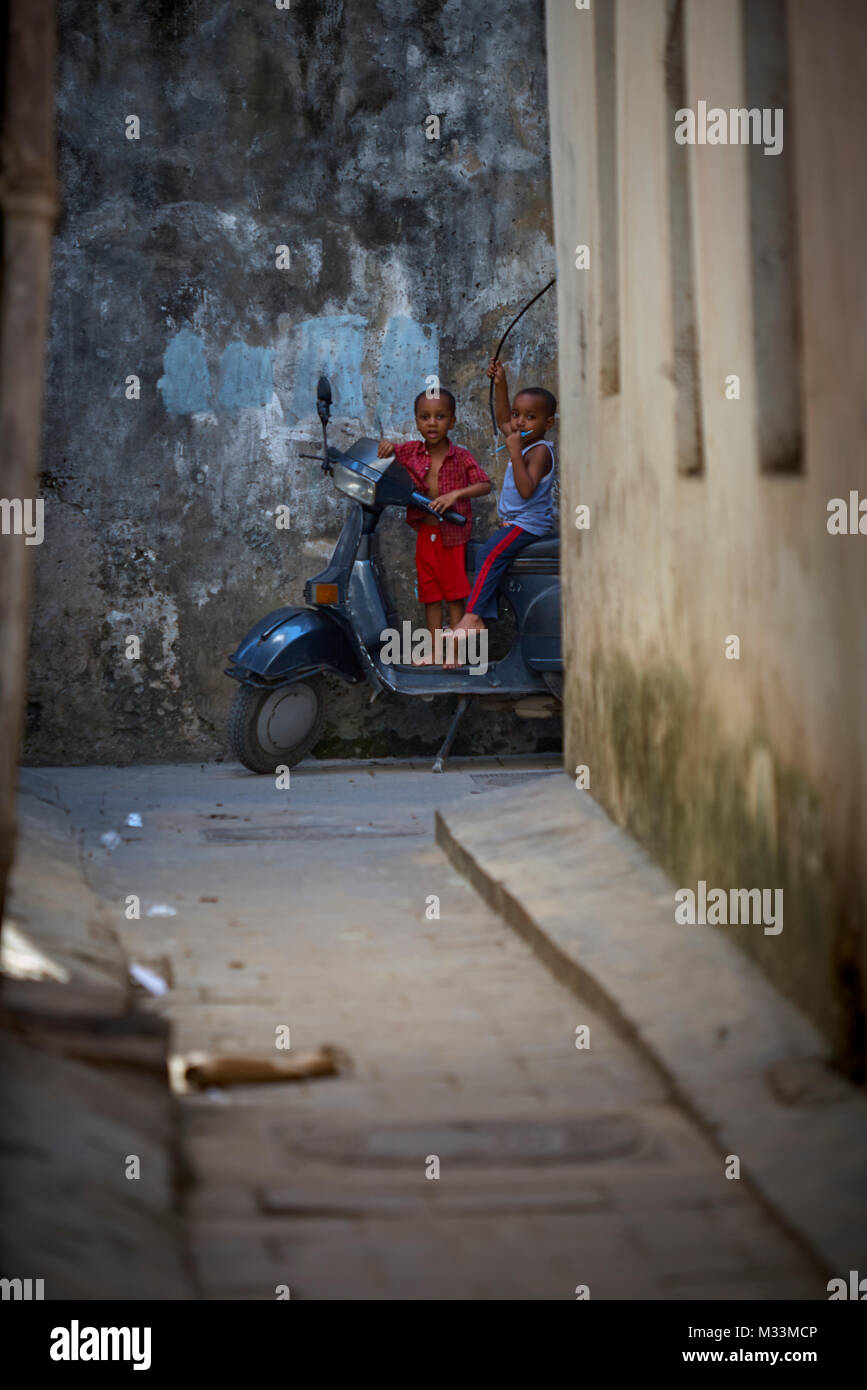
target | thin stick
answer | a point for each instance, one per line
(527, 306)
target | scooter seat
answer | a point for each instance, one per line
(541, 556)
(544, 548)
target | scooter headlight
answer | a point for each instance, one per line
(356, 482)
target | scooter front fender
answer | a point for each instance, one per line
(291, 643)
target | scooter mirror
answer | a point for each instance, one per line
(323, 399)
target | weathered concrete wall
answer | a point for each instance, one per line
(742, 772)
(261, 128)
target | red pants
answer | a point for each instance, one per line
(441, 569)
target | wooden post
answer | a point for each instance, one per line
(28, 206)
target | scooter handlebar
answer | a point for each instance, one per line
(420, 501)
(417, 498)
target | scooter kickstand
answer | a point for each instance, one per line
(450, 736)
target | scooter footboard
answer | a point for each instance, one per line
(291, 643)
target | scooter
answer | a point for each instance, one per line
(277, 714)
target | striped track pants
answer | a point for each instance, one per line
(494, 557)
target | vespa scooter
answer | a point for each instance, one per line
(277, 714)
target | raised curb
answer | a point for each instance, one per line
(50, 900)
(83, 1086)
(750, 1068)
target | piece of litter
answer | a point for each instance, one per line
(152, 982)
(134, 818)
(21, 958)
(204, 1071)
(110, 839)
(161, 910)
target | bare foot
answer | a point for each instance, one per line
(470, 622)
(455, 649)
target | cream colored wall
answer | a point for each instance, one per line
(672, 564)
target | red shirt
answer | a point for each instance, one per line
(458, 469)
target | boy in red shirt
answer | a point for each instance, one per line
(449, 476)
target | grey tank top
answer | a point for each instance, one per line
(534, 514)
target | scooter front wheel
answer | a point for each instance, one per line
(274, 728)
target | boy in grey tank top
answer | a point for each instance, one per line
(526, 503)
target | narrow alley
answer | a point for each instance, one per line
(312, 908)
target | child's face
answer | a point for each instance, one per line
(529, 415)
(434, 419)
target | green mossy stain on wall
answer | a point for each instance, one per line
(731, 814)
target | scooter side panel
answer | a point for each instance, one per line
(536, 600)
(290, 643)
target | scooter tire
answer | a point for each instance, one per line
(245, 743)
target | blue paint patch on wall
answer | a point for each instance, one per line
(334, 345)
(246, 377)
(410, 354)
(185, 384)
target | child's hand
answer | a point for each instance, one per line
(446, 502)
(385, 449)
(496, 370)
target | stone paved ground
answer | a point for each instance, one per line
(306, 907)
